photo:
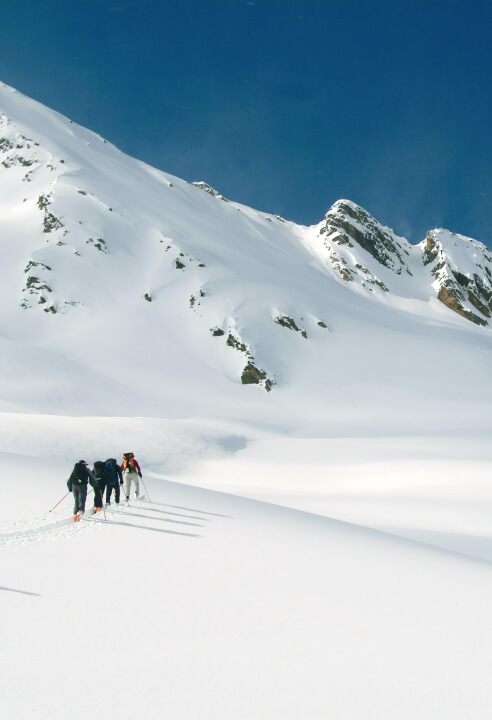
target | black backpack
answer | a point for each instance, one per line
(112, 468)
(79, 474)
(100, 469)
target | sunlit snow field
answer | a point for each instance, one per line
(203, 604)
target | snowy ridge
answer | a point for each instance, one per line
(462, 268)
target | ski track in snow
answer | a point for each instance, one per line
(56, 525)
(49, 526)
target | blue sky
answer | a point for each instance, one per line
(284, 105)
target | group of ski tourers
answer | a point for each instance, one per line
(107, 476)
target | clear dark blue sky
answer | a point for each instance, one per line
(284, 105)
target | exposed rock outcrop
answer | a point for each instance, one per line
(462, 272)
(347, 223)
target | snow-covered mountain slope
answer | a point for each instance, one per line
(128, 291)
(320, 368)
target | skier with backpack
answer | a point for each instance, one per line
(114, 478)
(99, 471)
(77, 484)
(131, 471)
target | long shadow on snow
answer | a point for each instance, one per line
(168, 512)
(202, 512)
(22, 592)
(145, 527)
(158, 519)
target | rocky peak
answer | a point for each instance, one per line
(462, 272)
(361, 250)
(347, 223)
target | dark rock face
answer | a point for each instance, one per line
(254, 376)
(459, 286)
(460, 268)
(361, 250)
(347, 223)
(290, 323)
(453, 301)
(431, 249)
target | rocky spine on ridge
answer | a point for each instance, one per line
(209, 189)
(463, 282)
(346, 223)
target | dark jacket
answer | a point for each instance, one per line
(81, 475)
(113, 472)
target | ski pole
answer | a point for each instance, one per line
(59, 501)
(145, 488)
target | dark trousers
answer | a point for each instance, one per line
(109, 490)
(99, 493)
(79, 497)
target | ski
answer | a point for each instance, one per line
(113, 507)
(92, 514)
(95, 517)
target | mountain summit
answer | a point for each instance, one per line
(454, 268)
(118, 275)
